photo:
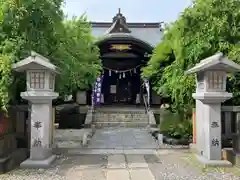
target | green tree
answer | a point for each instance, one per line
(77, 56)
(24, 26)
(39, 25)
(207, 27)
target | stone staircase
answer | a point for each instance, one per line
(132, 117)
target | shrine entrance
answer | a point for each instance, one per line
(122, 57)
(122, 90)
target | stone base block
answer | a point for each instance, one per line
(213, 163)
(237, 159)
(229, 155)
(38, 163)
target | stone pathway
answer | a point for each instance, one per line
(136, 159)
(166, 166)
(122, 138)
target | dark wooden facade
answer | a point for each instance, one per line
(123, 55)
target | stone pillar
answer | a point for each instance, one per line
(212, 126)
(199, 113)
(41, 133)
(81, 97)
(208, 121)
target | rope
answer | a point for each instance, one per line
(121, 71)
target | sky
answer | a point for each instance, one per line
(134, 10)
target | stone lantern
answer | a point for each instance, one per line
(211, 77)
(40, 79)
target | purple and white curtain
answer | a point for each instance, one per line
(96, 95)
(147, 86)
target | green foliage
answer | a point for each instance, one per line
(181, 130)
(175, 126)
(5, 80)
(207, 27)
(77, 56)
(39, 25)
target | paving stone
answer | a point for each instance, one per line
(85, 162)
(75, 174)
(116, 161)
(119, 174)
(139, 151)
(141, 174)
(136, 161)
(171, 166)
(125, 138)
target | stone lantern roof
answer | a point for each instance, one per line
(34, 62)
(215, 62)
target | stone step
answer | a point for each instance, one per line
(121, 110)
(121, 124)
(120, 117)
(111, 119)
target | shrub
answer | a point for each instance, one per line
(173, 126)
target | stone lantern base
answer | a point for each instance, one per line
(29, 163)
(213, 163)
(41, 129)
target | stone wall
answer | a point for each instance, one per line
(10, 155)
(14, 138)
(70, 116)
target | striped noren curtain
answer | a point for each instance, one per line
(146, 84)
(96, 94)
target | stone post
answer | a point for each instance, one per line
(210, 93)
(236, 140)
(40, 93)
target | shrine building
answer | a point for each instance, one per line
(125, 47)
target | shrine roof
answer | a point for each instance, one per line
(150, 32)
(215, 62)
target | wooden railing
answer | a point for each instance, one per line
(151, 117)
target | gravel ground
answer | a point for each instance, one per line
(175, 165)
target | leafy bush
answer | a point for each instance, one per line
(181, 130)
(173, 126)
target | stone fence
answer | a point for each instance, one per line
(230, 121)
(13, 138)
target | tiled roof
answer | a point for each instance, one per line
(150, 33)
